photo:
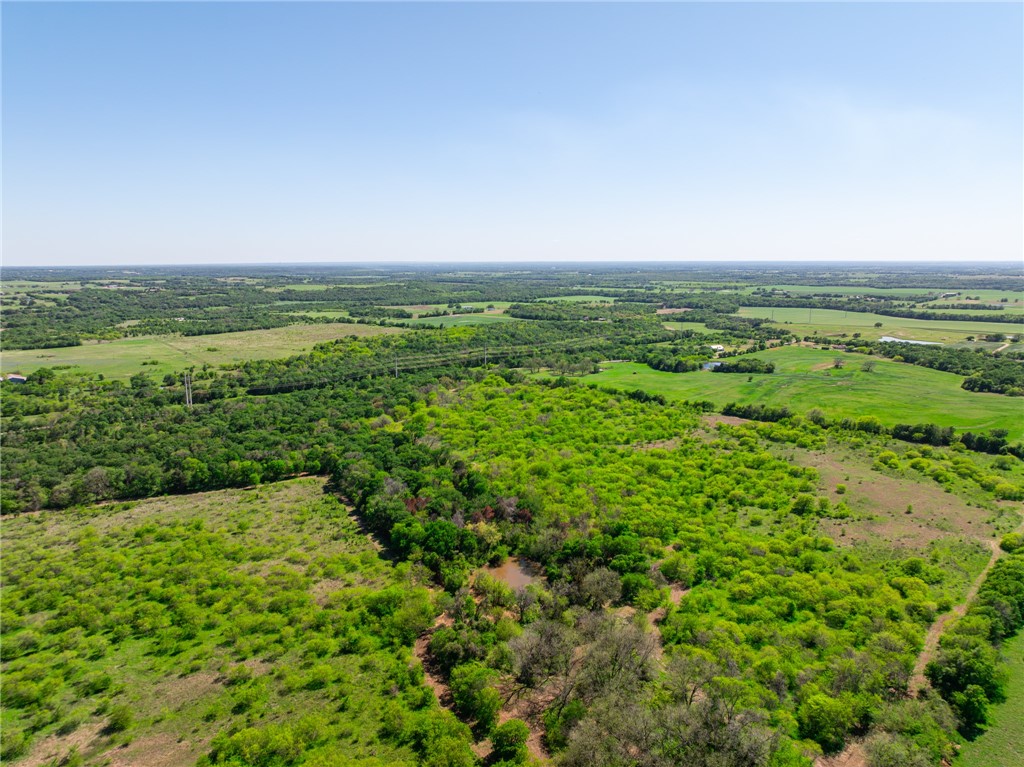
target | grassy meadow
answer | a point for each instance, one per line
(833, 322)
(126, 357)
(697, 327)
(457, 320)
(1002, 744)
(804, 378)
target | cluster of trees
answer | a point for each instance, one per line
(968, 307)
(683, 355)
(579, 311)
(745, 365)
(380, 312)
(985, 371)
(777, 625)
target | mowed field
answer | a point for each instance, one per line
(804, 378)
(696, 327)
(456, 320)
(1002, 745)
(125, 357)
(833, 322)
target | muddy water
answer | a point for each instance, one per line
(515, 573)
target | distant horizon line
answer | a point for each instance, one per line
(1019, 263)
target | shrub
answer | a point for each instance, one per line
(825, 720)
(120, 719)
(509, 741)
(1011, 542)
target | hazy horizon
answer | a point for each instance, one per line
(268, 133)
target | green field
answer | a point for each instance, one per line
(417, 309)
(1002, 745)
(582, 299)
(697, 327)
(848, 290)
(455, 320)
(833, 322)
(15, 287)
(982, 310)
(125, 357)
(894, 392)
(983, 296)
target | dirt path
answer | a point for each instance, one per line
(520, 707)
(931, 639)
(431, 678)
(854, 755)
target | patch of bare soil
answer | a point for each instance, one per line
(175, 692)
(676, 593)
(713, 419)
(56, 747)
(431, 678)
(673, 310)
(322, 590)
(157, 750)
(853, 755)
(885, 500)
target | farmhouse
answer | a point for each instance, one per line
(15, 378)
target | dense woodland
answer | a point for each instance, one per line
(687, 606)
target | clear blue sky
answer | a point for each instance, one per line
(200, 132)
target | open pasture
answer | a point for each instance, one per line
(833, 322)
(491, 307)
(696, 327)
(847, 290)
(126, 357)
(456, 320)
(805, 378)
(1002, 744)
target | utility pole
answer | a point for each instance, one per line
(396, 366)
(485, 356)
(188, 390)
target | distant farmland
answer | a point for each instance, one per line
(805, 378)
(834, 322)
(126, 357)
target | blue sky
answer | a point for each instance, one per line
(215, 133)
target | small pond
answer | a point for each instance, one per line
(891, 339)
(516, 573)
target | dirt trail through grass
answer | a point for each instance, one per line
(854, 755)
(931, 640)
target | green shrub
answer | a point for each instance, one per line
(1011, 542)
(509, 741)
(120, 718)
(825, 720)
